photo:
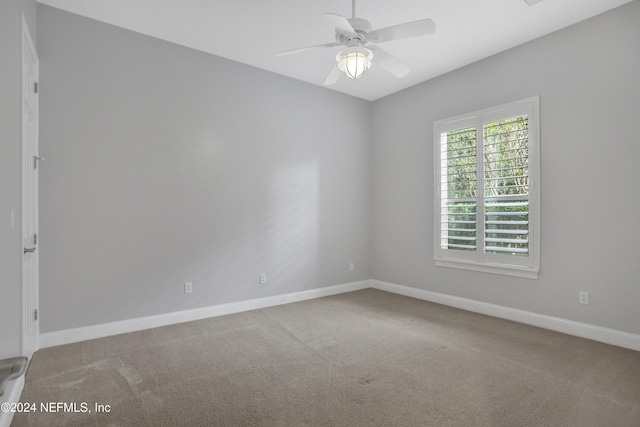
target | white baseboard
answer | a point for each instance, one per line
(67, 336)
(583, 330)
(12, 393)
(569, 327)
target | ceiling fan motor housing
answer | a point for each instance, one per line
(361, 28)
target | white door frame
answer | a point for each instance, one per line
(29, 233)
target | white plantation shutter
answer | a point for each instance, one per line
(459, 188)
(506, 186)
(486, 199)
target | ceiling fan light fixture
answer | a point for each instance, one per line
(354, 61)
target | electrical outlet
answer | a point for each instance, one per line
(583, 297)
(351, 266)
(188, 287)
(263, 278)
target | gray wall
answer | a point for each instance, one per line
(166, 165)
(587, 77)
(11, 12)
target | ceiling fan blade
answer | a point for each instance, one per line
(304, 49)
(389, 63)
(333, 76)
(403, 31)
(341, 23)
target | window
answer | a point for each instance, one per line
(487, 192)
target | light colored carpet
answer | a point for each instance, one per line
(365, 358)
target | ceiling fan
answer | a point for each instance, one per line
(359, 53)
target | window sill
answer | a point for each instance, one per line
(507, 270)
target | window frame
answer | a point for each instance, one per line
(478, 260)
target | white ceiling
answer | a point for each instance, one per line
(251, 31)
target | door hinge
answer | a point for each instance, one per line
(35, 314)
(35, 87)
(35, 161)
(35, 238)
